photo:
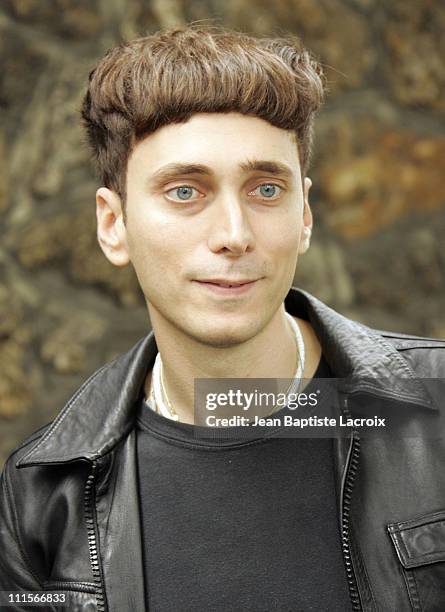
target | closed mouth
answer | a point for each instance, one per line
(227, 284)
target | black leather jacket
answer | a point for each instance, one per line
(69, 516)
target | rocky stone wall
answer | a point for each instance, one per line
(378, 180)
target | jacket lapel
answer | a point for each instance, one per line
(100, 414)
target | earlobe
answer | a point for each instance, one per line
(307, 186)
(111, 231)
(305, 240)
(306, 231)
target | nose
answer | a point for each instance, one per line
(230, 229)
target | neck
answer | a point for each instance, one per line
(271, 353)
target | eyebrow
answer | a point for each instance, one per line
(174, 170)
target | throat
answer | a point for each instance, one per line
(276, 360)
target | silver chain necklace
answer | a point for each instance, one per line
(159, 398)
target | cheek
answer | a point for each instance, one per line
(282, 249)
(281, 238)
(158, 249)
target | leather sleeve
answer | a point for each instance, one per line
(15, 573)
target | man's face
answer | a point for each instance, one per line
(214, 200)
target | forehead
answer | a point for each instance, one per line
(224, 141)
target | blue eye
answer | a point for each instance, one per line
(268, 190)
(184, 192)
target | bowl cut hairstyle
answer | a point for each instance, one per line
(164, 78)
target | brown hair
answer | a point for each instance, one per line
(164, 78)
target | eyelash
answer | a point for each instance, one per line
(260, 185)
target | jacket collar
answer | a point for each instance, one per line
(102, 411)
(361, 358)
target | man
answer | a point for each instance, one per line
(202, 138)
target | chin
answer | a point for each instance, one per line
(223, 342)
(224, 336)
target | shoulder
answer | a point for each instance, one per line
(408, 341)
(425, 355)
(24, 446)
(14, 482)
(10, 473)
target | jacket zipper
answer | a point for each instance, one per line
(351, 472)
(90, 514)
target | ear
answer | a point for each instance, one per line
(306, 229)
(111, 231)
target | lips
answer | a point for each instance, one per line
(227, 288)
(227, 283)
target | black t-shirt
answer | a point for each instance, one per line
(246, 525)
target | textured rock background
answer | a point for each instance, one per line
(378, 196)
